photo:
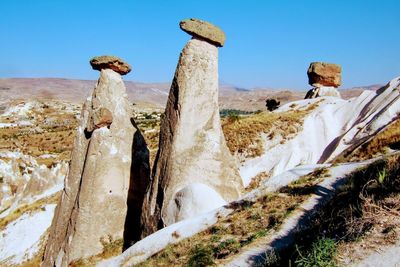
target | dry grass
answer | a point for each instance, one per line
(111, 248)
(243, 135)
(365, 213)
(53, 132)
(28, 208)
(248, 222)
(389, 136)
(256, 181)
(382, 224)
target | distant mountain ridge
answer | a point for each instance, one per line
(148, 94)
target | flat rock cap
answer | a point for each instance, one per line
(110, 62)
(324, 74)
(203, 29)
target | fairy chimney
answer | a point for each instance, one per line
(194, 171)
(109, 159)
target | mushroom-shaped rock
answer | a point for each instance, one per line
(110, 62)
(324, 74)
(192, 148)
(204, 30)
(107, 179)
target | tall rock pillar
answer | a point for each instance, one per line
(109, 160)
(194, 171)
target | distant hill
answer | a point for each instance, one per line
(149, 94)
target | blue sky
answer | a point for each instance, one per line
(269, 43)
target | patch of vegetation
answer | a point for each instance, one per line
(387, 138)
(256, 181)
(243, 136)
(234, 112)
(306, 184)
(201, 256)
(248, 222)
(367, 207)
(322, 254)
(111, 248)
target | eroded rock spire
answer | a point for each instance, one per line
(194, 171)
(109, 159)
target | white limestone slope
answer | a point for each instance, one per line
(23, 238)
(333, 126)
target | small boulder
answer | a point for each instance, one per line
(204, 30)
(110, 62)
(324, 74)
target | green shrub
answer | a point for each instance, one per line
(382, 176)
(232, 117)
(322, 253)
(201, 256)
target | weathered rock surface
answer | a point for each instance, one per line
(100, 117)
(203, 29)
(324, 74)
(110, 62)
(193, 159)
(109, 159)
(322, 91)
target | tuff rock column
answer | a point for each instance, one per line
(109, 159)
(325, 77)
(193, 171)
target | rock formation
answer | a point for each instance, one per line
(194, 171)
(203, 30)
(110, 62)
(325, 77)
(109, 159)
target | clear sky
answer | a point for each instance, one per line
(269, 43)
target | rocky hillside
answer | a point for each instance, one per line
(147, 95)
(286, 190)
(33, 170)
